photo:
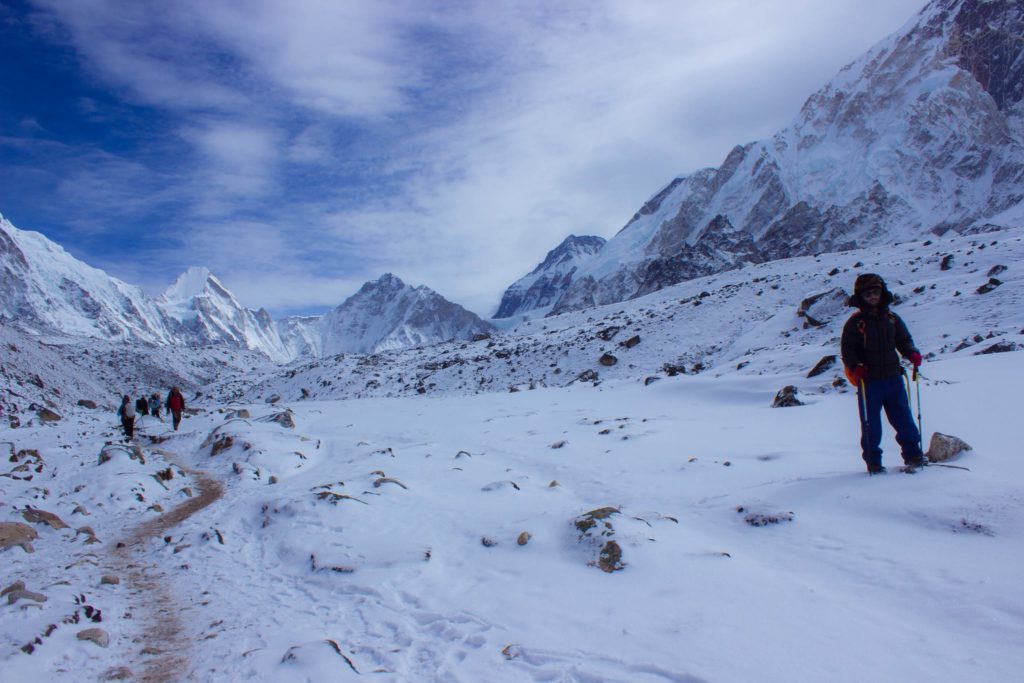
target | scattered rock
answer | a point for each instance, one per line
(95, 635)
(86, 403)
(47, 415)
(764, 518)
(559, 444)
(595, 529)
(818, 310)
(488, 542)
(225, 442)
(995, 270)
(554, 484)
(16, 586)
(511, 652)
(274, 399)
(786, 398)
(631, 342)
(36, 516)
(823, 366)
(285, 419)
(984, 289)
(943, 447)
(80, 510)
(610, 558)
(608, 333)
(524, 538)
(118, 673)
(109, 580)
(607, 360)
(22, 594)
(998, 347)
(241, 414)
(650, 380)
(947, 262)
(587, 376)
(673, 370)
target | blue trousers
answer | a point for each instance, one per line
(888, 393)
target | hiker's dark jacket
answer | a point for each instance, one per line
(872, 339)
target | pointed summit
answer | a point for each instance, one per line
(388, 314)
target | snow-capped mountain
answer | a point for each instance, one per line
(922, 134)
(539, 290)
(45, 289)
(388, 314)
(210, 314)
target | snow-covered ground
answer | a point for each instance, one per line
(355, 540)
(368, 521)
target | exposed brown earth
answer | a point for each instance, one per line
(163, 648)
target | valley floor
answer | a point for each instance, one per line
(380, 536)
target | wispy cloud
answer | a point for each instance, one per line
(452, 143)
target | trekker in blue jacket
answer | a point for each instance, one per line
(870, 342)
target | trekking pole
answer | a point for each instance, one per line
(863, 404)
(920, 432)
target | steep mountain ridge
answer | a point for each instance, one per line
(922, 134)
(549, 280)
(388, 314)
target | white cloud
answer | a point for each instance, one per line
(452, 143)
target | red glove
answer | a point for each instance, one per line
(915, 359)
(856, 375)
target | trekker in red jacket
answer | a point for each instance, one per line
(176, 405)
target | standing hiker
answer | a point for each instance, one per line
(127, 414)
(142, 406)
(871, 338)
(154, 405)
(175, 405)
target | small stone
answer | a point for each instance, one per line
(559, 444)
(86, 403)
(95, 635)
(524, 538)
(488, 542)
(109, 580)
(554, 483)
(607, 360)
(47, 415)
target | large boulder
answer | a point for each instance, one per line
(944, 447)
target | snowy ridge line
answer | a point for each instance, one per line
(745, 321)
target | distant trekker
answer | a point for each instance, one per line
(871, 338)
(176, 405)
(127, 414)
(154, 405)
(142, 406)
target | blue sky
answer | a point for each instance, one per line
(300, 148)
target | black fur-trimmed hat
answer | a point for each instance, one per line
(863, 283)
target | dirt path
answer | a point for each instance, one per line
(163, 653)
